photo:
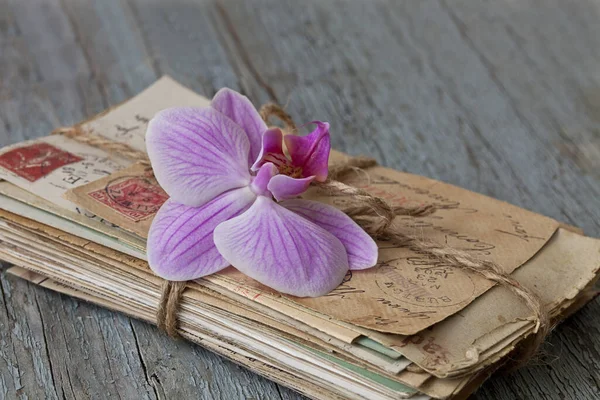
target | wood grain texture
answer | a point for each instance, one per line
(500, 97)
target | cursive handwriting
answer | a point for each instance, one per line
(344, 290)
(407, 312)
(473, 244)
(441, 202)
(518, 230)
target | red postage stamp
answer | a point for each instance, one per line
(36, 160)
(135, 197)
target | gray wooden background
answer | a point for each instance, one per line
(501, 97)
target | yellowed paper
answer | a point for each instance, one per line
(557, 274)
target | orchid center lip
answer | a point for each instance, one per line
(260, 182)
(258, 189)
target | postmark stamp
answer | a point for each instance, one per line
(430, 286)
(135, 197)
(36, 160)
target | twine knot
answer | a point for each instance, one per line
(269, 110)
(362, 206)
(376, 217)
(108, 145)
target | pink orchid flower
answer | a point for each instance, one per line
(233, 201)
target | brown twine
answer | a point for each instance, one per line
(269, 110)
(168, 307)
(111, 146)
(376, 216)
(363, 206)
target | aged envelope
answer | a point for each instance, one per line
(564, 268)
(46, 168)
(51, 165)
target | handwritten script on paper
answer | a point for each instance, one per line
(127, 123)
(51, 165)
(410, 290)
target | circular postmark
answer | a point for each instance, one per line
(427, 286)
(140, 194)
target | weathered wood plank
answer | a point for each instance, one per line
(501, 98)
(184, 44)
(504, 118)
(25, 366)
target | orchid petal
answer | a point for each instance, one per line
(272, 141)
(361, 248)
(285, 187)
(197, 154)
(180, 240)
(242, 112)
(311, 152)
(282, 250)
(263, 177)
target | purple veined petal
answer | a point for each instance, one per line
(180, 240)
(263, 177)
(197, 154)
(311, 152)
(242, 112)
(285, 187)
(361, 248)
(282, 250)
(272, 141)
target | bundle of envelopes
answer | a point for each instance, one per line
(74, 218)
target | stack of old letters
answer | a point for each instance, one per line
(74, 218)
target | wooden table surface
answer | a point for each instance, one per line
(500, 97)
